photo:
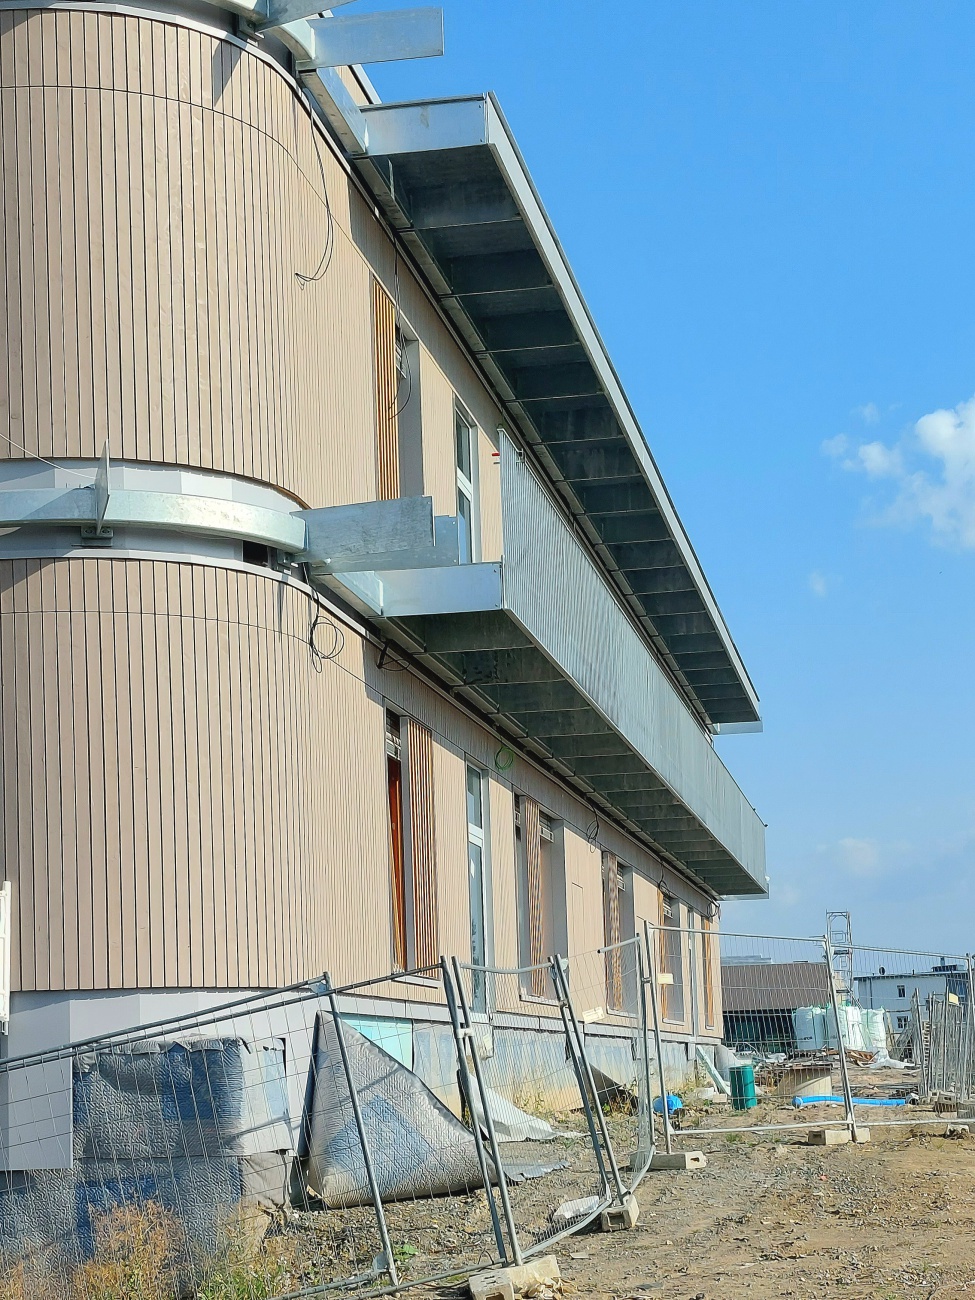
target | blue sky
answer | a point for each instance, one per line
(771, 211)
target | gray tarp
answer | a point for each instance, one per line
(196, 1126)
(418, 1147)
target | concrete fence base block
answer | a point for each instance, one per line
(863, 1134)
(679, 1160)
(828, 1137)
(516, 1280)
(620, 1218)
(958, 1131)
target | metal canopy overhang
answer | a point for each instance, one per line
(492, 662)
(450, 178)
(468, 627)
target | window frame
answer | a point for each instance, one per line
(397, 775)
(670, 911)
(478, 836)
(467, 485)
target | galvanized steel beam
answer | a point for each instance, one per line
(380, 37)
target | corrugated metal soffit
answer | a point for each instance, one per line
(611, 929)
(423, 843)
(387, 439)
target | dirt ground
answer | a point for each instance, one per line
(771, 1217)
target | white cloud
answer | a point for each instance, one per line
(869, 413)
(878, 460)
(933, 466)
(818, 584)
(860, 857)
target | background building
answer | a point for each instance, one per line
(893, 991)
(345, 619)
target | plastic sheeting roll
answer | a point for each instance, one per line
(810, 1028)
(875, 1030)
(851, 1029)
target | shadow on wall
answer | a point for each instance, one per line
(223, 64)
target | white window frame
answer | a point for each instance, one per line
(6, 943)
(467, 485)
(480, 837)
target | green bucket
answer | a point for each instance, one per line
(743, 1087)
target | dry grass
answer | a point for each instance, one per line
(139, 1254)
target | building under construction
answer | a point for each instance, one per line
(345, 618)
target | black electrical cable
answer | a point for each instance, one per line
(319, 657)
(326, 257)
(398, 410)
(592, 830)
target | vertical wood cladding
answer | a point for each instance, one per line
(423, 844)
(181, 794)
(387, 430)
(531, 833)
(162, 199)
(611, 924)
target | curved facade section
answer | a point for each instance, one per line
(172, 778)
(164, 193)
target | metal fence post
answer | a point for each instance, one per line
(645, 1134)
(844, 1072)
(364, 1141)
(655, 1006)
(468, 1094)
(509, 1217)
(587, 1081)
(944, 1042)
(969, 1025)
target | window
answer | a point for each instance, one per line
(543, 931)
(903, 1022)
(477, 882)
(465, 440)
(397, 840)
(901, 991)
(671, 961)
(409, 423)
(412, 843)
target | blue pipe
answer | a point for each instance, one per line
(799, 1102)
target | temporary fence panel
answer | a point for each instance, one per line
(781, 1025)
(872, 1037)
(918, 1013)
(268, 1148)
(564, 1083)
(185, 1142)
